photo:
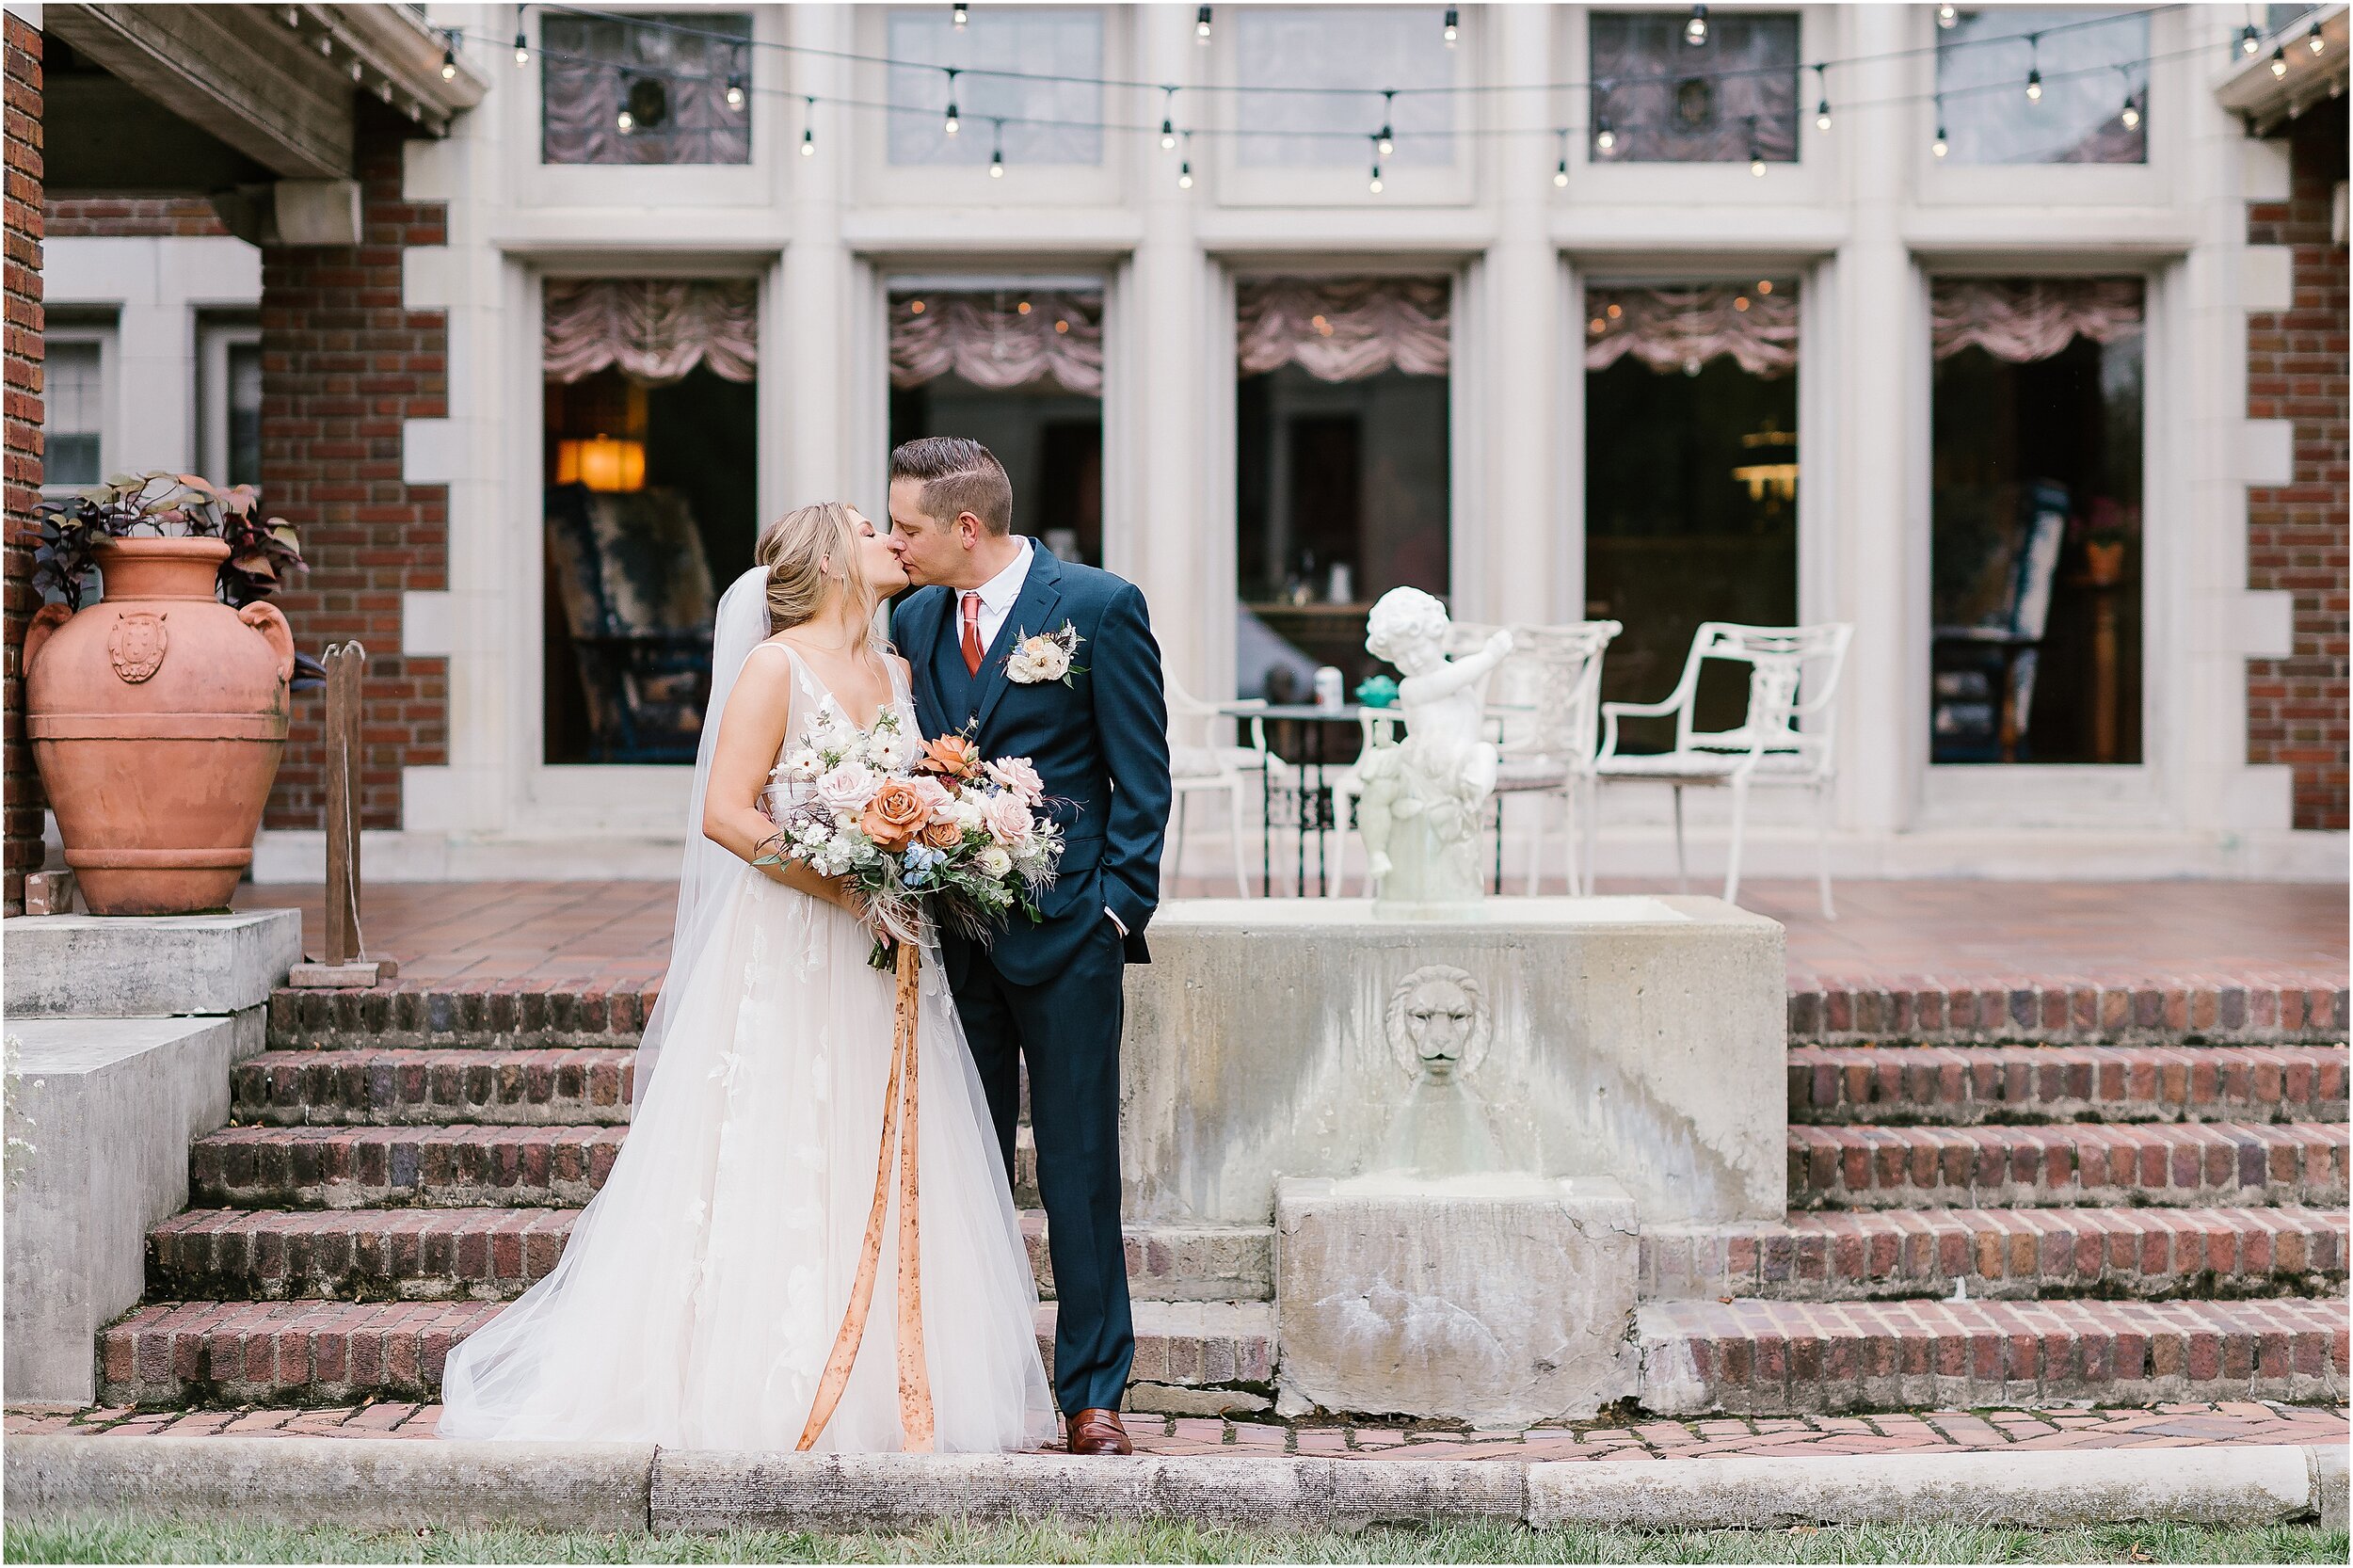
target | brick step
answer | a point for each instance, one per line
(419, 1255)
(1777, 1358)
(1835, 1010)
(1968, 1084)
(2020, 1252)
(331, 1353)
(413, 1015)
(2234, 1163)
(375, 1167)
(535, 1088)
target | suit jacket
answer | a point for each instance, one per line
(1100, 746)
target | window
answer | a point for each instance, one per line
(1690, 480)
(645, 89)
(650, 467)
(1341, 468)
(74, 418)
(2090, 85)
(1400, 47)
(1018, 367)
(1660, 98)
(229, 400)
(2036, 548)
(1034, 41)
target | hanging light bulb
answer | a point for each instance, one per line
(1201, 26)
(626, 121)
(1821, 109)
(449, 60)
(2249, 39)
(1184, 175)
(1947, 15)
(2034, 86)
(1695, 30)
(1375, 187)
(1821, 115)
(950, 124)
(2131, 117)
(1168, 134)
(808, 127)
(522, 45)
(1940, 146)
(1605, 138)
(2313, 41)
(960, 15)
(2279, 62)
(1756, 161)
(1560, 173)
(997, 156)
(735, 93)
(1453, 25)
(1387, 139)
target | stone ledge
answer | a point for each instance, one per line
(138, 966)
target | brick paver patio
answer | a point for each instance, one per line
(2229, 1423)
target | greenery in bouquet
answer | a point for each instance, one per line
(927, 833)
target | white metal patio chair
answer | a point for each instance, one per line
(1786, 739)
(1201, 764)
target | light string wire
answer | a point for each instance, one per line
(1607, 84)
(1940, 96)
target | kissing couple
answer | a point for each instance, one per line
(697, 1300)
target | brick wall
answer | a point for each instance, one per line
(2296, 370)
(130, 218)
(343, 364)
(20, 281)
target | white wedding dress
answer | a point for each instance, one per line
(697, 1301)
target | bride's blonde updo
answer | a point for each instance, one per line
(810, 554)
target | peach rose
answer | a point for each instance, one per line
(943, 835)
(951, 756)
(893, 816)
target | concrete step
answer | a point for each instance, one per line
(2234, 1163)
(332, 1352)
(373, 1167)
(411, 1088)
(1969, 1085)
(1777, 1358)
(415, 1254)
(2008, 1252)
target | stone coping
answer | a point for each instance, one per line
(389, 1481)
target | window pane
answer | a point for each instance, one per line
(2036, 553)
(75, 414)
(1034, 42)
(669, 73)
(245, 414)
(1401, 47)
(2090, 61)
(1660, 98)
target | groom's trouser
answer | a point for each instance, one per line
(1067, 1028)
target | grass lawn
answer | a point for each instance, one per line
(123, 1539)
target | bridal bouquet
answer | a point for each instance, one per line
(921, 829)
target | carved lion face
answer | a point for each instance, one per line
(1438, 1022)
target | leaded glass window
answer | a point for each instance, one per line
(646, 89)
(1660, 98)
(2093, 86)
(1376, 47)
(1045, 120)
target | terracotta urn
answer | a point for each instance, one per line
(158, 716)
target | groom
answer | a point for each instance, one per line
(1047, 994)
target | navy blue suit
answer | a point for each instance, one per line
(1051, 993)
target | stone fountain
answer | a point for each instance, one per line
(1457, 1111)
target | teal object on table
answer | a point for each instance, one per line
(1378, 692)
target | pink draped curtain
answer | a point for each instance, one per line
(2030, 319)
(655, 328)
(1682, 329)
(998, 341)
(1346, 328)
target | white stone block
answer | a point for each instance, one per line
(425, 278)
(428, 628)
(2266, 170)
(133, 966)
(431, 452)
(2267, 278)
(113, 1103)
(1635, 1038)
(2267, 452)
(317, 212)
(1498, 1300)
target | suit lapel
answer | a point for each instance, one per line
(1032, 614)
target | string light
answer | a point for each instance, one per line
(808, 128)
(2279, 62)
(735, 93)
(1756, 152)
(960, 15)
(1453, 25)
(1940, 146)
(1560, 174)
(950, 124)
(2313, 41)
(1184, 170)
(1695, 30)
(1201, 26)
(2249, 39)
(626, 121)
(2034, 86)
(1388, 140)
(1947, 15)
(2034, 68)
(2131, 117)
(1168, 122)
(449, 59)
(522, 45)
(1375, 187)
(1821, 109)
(997, 154)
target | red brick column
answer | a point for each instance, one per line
(2296, 532)
(20, 279)
(132, 218)
(343, 364)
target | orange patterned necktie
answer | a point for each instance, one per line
(972, 633)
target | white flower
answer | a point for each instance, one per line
(801, 766)
(1008, 821)
(994, 861)
(1045, 657)
(846, 790)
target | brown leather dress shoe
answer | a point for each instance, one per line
(1098, 1431)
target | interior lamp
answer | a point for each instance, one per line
(602, 463)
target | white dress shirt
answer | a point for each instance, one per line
(997, 599)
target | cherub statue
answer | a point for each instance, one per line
(1441, 774)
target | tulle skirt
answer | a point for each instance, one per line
(699, 1295)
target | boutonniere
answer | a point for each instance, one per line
(1048, 656)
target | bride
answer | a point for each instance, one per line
(697, 1301)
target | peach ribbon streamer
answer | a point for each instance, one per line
(915, 1388)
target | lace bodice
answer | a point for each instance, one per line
(812, 700)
